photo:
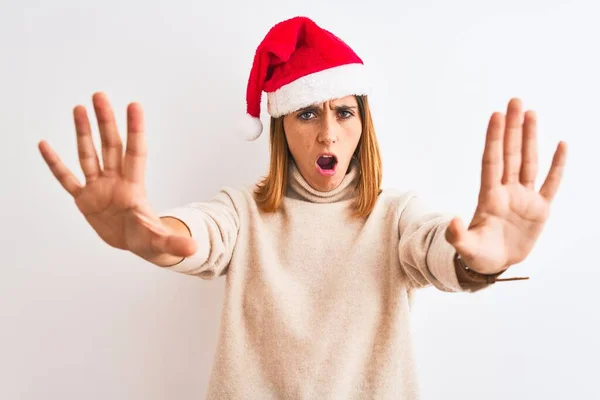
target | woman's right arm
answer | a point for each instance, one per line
(214, 225)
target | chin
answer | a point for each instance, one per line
(328, 183)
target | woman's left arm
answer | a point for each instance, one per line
(425, 255)
(510, 215)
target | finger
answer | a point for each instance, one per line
(512, 142)
(179, 246)
(530, 157)
(59, 170)
(163, 241)
(88, 158)
(461, 239)
(554, 177)
(112, 147)
(151, 222)
(134, 166)
(492, 163)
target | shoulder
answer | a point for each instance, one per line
(241, 197)
(406, 204)
(397, 199)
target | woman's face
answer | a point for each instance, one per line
(322, 140)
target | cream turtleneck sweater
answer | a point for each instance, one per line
(317, 303)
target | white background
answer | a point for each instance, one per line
(81, 320)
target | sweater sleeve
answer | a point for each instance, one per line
(425, 255)
(214, 225)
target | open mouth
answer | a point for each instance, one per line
(326, 164)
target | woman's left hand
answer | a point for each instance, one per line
(510, 214)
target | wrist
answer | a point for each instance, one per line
(175, 226)
(467, 274)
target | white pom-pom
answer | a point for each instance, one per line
(251, 127)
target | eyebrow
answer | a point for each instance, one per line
(337, 108)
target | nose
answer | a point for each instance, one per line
(328, 131)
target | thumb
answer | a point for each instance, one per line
(454, 231)
(165, 238)
(459, 237)
(175, 245)
(181, 246)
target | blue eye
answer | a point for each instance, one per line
(348, 114)
(308, 115)
(301, 116)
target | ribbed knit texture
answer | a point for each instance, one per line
(317, 303)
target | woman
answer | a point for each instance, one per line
(320, 262)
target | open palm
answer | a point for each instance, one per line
(113, 199)
(510, 214)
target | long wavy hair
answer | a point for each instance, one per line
(270, 191)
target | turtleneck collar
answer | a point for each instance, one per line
(298, 188)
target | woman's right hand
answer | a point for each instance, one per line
(114, 200)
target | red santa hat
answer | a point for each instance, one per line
(299, 64)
